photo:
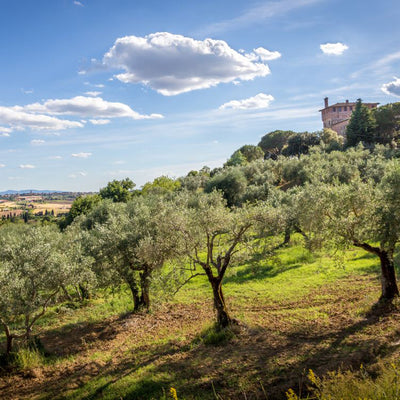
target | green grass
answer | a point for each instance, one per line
(284, 303)
(292, 272)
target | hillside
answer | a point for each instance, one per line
(295, 311)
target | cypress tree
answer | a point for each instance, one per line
(361, 127)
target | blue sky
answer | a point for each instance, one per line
(95, 90)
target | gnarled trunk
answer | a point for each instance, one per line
(223, 318)
(133, 286)
(145, 287)
(9, 338)
(388, 276)
(85, 292)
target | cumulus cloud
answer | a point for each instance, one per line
(2, 165)
(173, 64)
(266, 55)
(45, 115)
(100, 121)
(37, 141)
(81, 155)
(18, 118)
(87, 107)
(27, 166)
(93, 93)
(335, 49)
(257, 102)
(392, 88)
(78, 3)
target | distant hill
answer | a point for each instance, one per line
(27, 191)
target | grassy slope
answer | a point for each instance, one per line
(295, 312)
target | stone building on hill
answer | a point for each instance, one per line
(337, 116)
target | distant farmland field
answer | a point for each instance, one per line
(15, 208)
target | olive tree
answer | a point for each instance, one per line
(127, 244)
(360, 214)
(210, 235)
(32, 270)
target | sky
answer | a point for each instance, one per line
(96, 90)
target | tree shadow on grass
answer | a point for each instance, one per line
(259, 359)
(257, 269)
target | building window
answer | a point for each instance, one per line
(339, 109)
(334, 109)
(345, 108)
(351, 108)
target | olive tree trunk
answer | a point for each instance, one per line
(388, 274)
(388, 277)
(223, 318)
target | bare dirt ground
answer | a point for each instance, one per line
(272, 351)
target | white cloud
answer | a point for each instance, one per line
(392, 88)
(2, 165)
(37, 141)
(18, 118)
(81, 155)
(29, 91)
(82, 173)
(173, 64)
(4, 134)
(335, 49)
(27, 166)
(3, 129)
(93, 93)
(78, 3)
(257, 102)
(266, 55)
(55, 158)
(100, 121)
(86, 107)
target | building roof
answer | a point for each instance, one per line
(347, 104)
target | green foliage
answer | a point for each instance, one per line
(387, 124)
(81, 205)
(244, 155)
(300, 143)
(161, 186)
(331, 140)
(237, 158)
(274, 142)
(33, 268)
(231, 182)
(357, 385)
(118, 191)
(361, 127)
